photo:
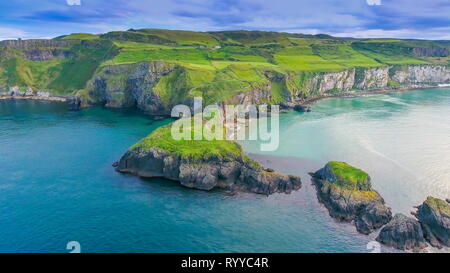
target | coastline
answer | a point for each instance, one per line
(305, 103)
(39, 98)
(361, 93)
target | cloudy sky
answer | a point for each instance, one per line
(428, 19)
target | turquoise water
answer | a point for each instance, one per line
(57, 184)
(401, 139)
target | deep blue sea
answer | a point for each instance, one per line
(57, 184)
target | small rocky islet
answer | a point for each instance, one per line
(348, 195)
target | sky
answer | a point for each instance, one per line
(425, 19)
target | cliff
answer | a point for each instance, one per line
(139, 85)
(121, 86)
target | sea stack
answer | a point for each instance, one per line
(348, 195)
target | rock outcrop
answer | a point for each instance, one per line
(348, 195)
(404, 233)
(420, 74)
(124, 86)
(230, 173)
(434, 215)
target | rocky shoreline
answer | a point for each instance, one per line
(302, 105)
(305, 105)
(39, 98)
(15, 93)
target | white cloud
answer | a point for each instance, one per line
(11, 33)
(433, 34)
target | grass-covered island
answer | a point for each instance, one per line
(202, 164)
(348, 195)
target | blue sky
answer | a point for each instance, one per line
(428, 19)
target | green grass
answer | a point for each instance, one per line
(252, 37)
(183, 55)
(182, 37)
(344, 55)
(74, 73)
(393, 53)
(59, 76)
(306, 63)
(349, 175)
(438, 205)
(196, 149)
(80, 36)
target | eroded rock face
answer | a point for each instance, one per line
(421, 74)
(133, 85)
(372, 78)
(231, 173)
(434, 215)
(404, 233)
(348, 202)
(124, 86)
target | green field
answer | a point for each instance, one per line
(197, 149)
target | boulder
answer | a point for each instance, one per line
(404, 233)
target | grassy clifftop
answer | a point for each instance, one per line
(215, 65)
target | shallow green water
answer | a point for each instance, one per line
(57, 184)
(401, 139)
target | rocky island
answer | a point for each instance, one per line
(434, 215)
(348, 195)
(202, 164)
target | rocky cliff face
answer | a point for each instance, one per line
(37, 43)
(232, 173)
(433, 51)
(133, 85)
(421, 74)
(121, 86)
(39, 50)
(353, 80)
